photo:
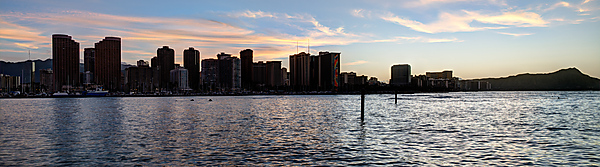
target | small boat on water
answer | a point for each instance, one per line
(97, 92)
(59, 94)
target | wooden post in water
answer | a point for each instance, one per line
(396, 98)
(362, 106)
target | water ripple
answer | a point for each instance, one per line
(447, 129)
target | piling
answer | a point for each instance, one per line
(396, 98)
(362, 106)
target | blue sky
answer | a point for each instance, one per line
(474, 38)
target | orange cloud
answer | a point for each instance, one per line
(355, 63)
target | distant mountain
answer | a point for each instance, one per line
(18, 68)
(564, 79)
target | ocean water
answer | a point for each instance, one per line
(439, 129)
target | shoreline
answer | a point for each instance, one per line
(289, 93)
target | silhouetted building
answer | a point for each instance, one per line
(247, 68)
(329, 70)
(285, 79)
(374, 81)
(142, 63)
(166, 63)
(229, 71)
(10, 83)
(210, 73)
(273, 71)
(139, 79)
(348, 78)
(88, 59)
(361, 80)
(191, 62)
(259, 73)
(47, 80)
(300, 70)
(400, 75)
(472, 85)
(65, 62)
(439, 75)
(155, 73)
(179, 77)
(107, 63)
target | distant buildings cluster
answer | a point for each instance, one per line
(432, 81)
(102, 68)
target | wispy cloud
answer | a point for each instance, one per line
(355, 63)
(142, 35)
(425, 3)
(361, 13)
(461, 22)
(515, 34)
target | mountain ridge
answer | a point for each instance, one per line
(563, 79)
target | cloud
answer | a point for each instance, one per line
(558, 4)
(257, 14)
(514, 34)
(448, 22)
(361, 13)
(356, 63)
(142, 35)
(425, 3)
(27, 46)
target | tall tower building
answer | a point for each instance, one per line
(166, 63)
(210, 73)
(229, 71)
(88, 59)
(259, 70)
(246, 57)
(273, 73)
(300, 70)
(400, 74)
(107, 63)
(329, 70)
(191, 62)
(65, 62)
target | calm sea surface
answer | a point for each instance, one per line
(465, 128)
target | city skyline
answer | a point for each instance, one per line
(475, 39)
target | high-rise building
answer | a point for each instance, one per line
(229, 71)
(88, 59)
(300, 70)
(10, 83)
(246, 57)
(348, 78)
(400, 75)
(47, 80)
(210, 73)
(285, 80)
(191, 62)
(259, 70)
(155, 73)
(166, 63)
(138, 79)
(179, 78)
(329, 70)
(65, 62)
(273, 71)
(107, 63)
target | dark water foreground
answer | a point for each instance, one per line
(475, 128)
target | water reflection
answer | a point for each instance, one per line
(472, 128)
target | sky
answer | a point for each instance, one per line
(473, 38)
